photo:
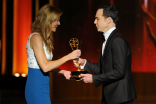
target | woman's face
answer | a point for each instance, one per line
(55, 24)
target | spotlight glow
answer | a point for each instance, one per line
(16, 74)
(23, 75)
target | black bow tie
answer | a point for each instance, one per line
(103, 37)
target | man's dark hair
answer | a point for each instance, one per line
(109, 10)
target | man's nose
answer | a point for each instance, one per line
(95, 21)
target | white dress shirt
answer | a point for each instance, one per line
(106, 35)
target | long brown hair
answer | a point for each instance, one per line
(42, 24)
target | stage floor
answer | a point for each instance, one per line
(15, 96)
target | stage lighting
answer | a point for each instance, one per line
(23, 75)
(16, 74)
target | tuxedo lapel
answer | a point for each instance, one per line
(108, 41)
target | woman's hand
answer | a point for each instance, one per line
(67, 74)
(75, 54)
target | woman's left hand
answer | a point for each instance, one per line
(67, 74)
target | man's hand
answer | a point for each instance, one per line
(80, 62)
(87, 78)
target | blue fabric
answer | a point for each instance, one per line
(37, 87)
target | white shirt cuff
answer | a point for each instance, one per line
(82, 66)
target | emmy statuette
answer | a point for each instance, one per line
(74, 43)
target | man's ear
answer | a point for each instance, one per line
(109, 20)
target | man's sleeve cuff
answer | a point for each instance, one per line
(82, 66)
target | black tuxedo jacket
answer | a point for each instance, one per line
(113, 71)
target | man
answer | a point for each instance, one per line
(113, 69)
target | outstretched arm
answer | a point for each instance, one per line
(66, 73)
(36, 44)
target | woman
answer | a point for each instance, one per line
(39, 55)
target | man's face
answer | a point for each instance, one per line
(100, 21)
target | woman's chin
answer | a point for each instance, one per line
(54, 30)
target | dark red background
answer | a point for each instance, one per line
(77, 21)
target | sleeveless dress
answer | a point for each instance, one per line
(37, 85)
